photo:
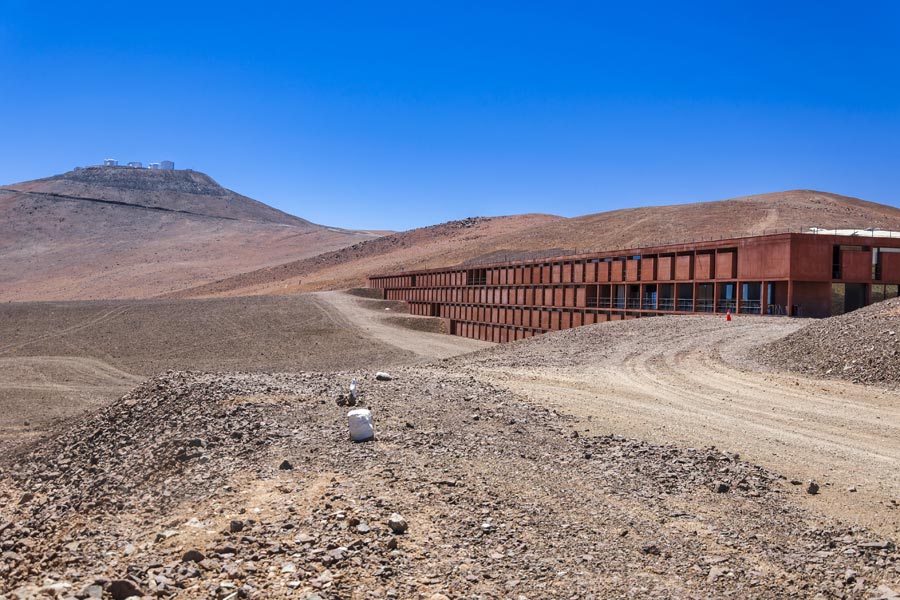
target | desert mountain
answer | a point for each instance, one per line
(117, 232)
(524, 236)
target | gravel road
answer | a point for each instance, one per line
(694, 381)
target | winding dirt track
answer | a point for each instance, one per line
(425, 345)
(692, 380)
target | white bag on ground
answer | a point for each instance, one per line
(362, 427)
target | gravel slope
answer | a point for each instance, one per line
(862, 346)
(180, 490)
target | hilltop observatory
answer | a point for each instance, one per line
(163, 165)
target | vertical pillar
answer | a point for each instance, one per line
(790, 298)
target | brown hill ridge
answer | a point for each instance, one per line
(115, 232)
(524, 236)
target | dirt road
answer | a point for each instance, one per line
(427, 346)
(691, 380)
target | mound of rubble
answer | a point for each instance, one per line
(862, 346)
(247, 486)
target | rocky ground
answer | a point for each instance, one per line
(862, 346)
(247, 486)
(60, 358)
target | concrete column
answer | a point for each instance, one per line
(790, 298)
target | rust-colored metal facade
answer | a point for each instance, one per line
(785, 274)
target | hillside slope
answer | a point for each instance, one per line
(862, 346)
(523, 236)
(793, 210)
(113, 232)
(447, 243)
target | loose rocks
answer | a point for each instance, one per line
(504, 507)
(398, 524)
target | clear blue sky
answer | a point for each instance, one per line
(396, 115)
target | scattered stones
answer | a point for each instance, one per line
(496, 515)
(881, 545)
(285, 466)
(812, 488)
(398, 524)
(720, 487)
(382, 376)
(121, 589)
(192, 556)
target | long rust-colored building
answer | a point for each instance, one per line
(797, 274)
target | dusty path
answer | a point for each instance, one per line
(36, 390)
(429, 346)
(688, 380)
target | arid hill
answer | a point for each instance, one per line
(116, 232)
(525, 236)
(447, 243)
(862, 346)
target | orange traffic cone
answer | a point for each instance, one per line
(728, 315)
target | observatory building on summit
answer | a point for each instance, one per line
(163, 165)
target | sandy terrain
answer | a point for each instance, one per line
(448, 243)
(693, 380)
(36, 391)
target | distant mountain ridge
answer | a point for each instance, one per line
(181, 191)
(120, 232)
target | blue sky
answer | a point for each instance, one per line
(396, 115)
